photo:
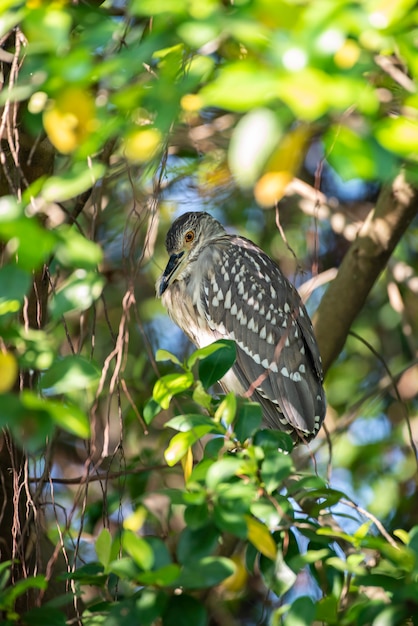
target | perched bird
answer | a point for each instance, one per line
(221, 286)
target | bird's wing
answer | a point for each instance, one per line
(248, 299)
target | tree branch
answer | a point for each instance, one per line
(396, 207)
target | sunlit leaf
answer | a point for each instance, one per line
(70, 118)
(25, 238)
(253, 141)
(142, 145)
(187, 464)
(47, 28)
(241, 87)
(8, 371)
(226, 410)
(187, 422)
(103, 547)
(162, 577)
(135, 520)
(260, 537)
(170, 385)
(138, 549)
(73, 182)
(70, 373)
(400, 135)
(74, 250)
(70, 418)
(76, 294)
(181, 442)
(216, 365)
(165, 355)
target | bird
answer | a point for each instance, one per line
(223, 286)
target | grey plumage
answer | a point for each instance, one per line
(217, 286)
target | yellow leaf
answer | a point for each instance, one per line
(403, 535)
(271, 187)
(70, 119)
(142, 145)
(282, 166)
(136, 520)
(347, 55)
(259, 535)
(8, 371)
(291, 151)
(191, 103)
(187, 464)
(237, 581)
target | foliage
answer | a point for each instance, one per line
(169, 504)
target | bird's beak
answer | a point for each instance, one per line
(170, 270)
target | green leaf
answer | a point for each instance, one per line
(103, 547)
(70, 373)
(35, 348)
(248, 421)
(203, 353)
(170, 385)
(151, 409)
(230, 520)
(165, 355)
(47, 29)
(28, 418)
(76, 251)
(340, 141)
(184, 423)
(279, 577)
(196, 515)
(140, 551)
(90, 574)
(301, 612)
(181, 442)
(273, 440)
(70, 418)
(76, 294)
(194, 544)
(205, 573)
(184, 610)
(40, 616)
(216, 364)
(275, 468)
(150, 603)
(165, 576)
(201, 397)
(299, 561)
(14, 285)
(72, 183)
(400, 135)
(241, 86)
(31, 243)
(352, 564)
(223, 471)
(226, 410)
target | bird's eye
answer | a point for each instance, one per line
(189, 236)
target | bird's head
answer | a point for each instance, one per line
(184, 242)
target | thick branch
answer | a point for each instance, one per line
(397, 205)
